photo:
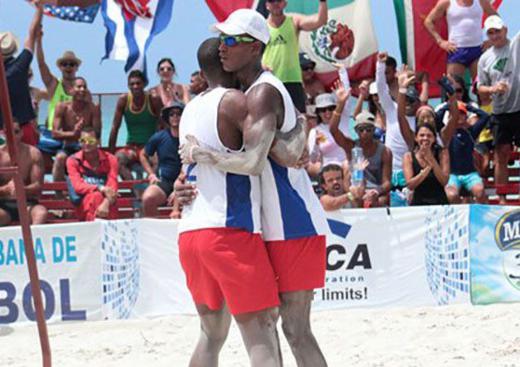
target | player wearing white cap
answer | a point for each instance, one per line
(293, 221)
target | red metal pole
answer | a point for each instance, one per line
(24, 218)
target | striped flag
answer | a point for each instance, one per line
(418, 48)
(347, 38)
(131, 26)
(72, 13)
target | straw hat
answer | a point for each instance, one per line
(8, 44)
(68, 56)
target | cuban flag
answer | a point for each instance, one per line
(131, 25)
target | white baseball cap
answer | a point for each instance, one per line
(372, 89)
(244, 21)
(493, 22)
(325, 100)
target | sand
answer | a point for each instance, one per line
(442, 336)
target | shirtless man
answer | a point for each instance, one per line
(70, 117)
(221, 226)
(31, 171)
(293, 221)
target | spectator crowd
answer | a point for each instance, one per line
(393, 148)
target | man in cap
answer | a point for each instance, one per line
(164, 143)
(311, 84)
(17, 74)
(293, 229)
(499, 79)
(281, 53)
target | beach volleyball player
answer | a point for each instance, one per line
(293, 221)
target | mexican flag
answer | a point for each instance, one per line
(348, 37)
(418, 48)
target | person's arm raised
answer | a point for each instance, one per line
(34, 28)
(310, 23)
(407, 133)
(50, 81)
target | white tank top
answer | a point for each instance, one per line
(464, 24)
(290, 208)
(224, 200)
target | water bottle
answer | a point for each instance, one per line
(356, 163)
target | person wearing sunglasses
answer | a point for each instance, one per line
(281, 53)
(312, 85)
(164, 143)
(168, 90)
(31, 172)
(17, 69)
(92, 179)
(140, 110)
(296, 244)
(69, 119)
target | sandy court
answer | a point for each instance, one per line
(442, 336)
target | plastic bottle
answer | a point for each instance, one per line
(356, 163)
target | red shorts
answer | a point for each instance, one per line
(231, 265)
(29, 134)
(299, 264)
(132, 151)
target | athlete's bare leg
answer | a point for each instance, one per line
(258, 331)
(214, 328)
(295, 311)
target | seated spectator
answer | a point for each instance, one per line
(335, 196)
(462, 137)
(311, 84)
(322, 147)
(31, 171)
(197, 84)
(166, 144)
(141, 112)
(368, 92)
(69, 119)
(499, 80)
(92, 179)
(17, 75)
(464, 43)
(427, 168)
(169, 91)
(378, 173)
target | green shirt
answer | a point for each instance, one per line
(59, 96)
(281, 53)
(141, 125)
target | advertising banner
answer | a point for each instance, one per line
(68, 258)
(495, 254)
(399, 257)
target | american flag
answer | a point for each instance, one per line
(72, 13)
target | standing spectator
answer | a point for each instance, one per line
(166, 144)
(378, 172)
(281, 53)
(335, 196)
(464, 43)
(17, 75)
(391, 76)
(167, 90)
(427, 168)
(461, 139)
(92, 179)
(141, 113)
(499, 78)
(197, 84)
(37, 95)
(368, 92)
(31, 172)
(312, 85)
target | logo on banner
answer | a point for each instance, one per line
(333, 42)
(507, 238)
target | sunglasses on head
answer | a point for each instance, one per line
(232, 41)
(68, 64)
(89, 140)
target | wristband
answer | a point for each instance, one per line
(402, 90)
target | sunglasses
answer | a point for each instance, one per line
(165, 68)
(89, 140)
(324, 109)
(459, 90)
(232, 41)
(366, 129)
(68, 64)
(175, 113)
(308, 68)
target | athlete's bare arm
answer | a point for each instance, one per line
(288, 147)
(116, 122)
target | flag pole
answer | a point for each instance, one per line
(24, 216)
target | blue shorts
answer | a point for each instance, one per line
(466, 181)
(47, 143)
(465, 55)
(398, 179)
